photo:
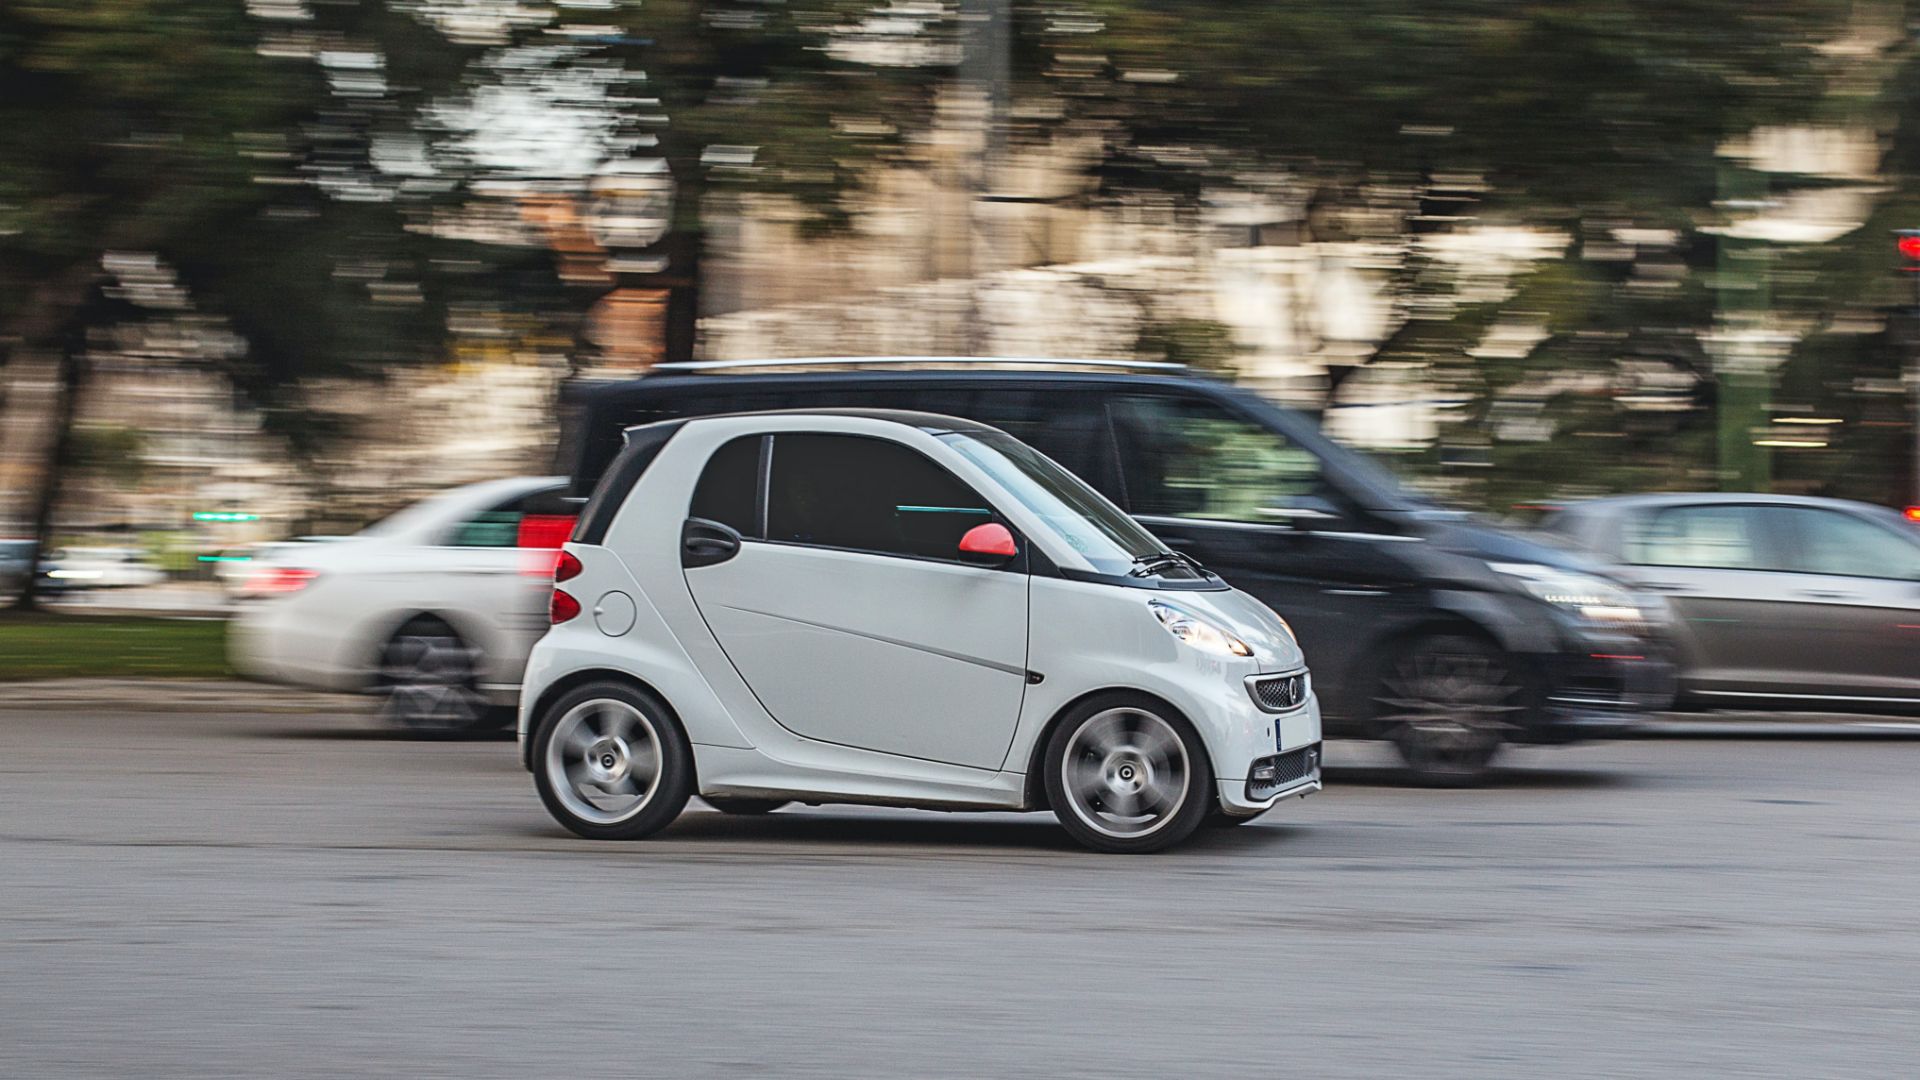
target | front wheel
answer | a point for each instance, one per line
(1447, 703)
(611, 763)
(1126, 774)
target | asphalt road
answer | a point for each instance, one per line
(291, 896)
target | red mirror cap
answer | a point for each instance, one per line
(989, 539)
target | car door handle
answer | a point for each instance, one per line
(1826, 594)
(1667, 586)
(704, 543)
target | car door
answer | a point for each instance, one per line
(845, 609)
(1723, 567)
(1856, 596)
(1257, 509)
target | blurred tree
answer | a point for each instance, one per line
(157, 126)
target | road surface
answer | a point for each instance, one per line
(297, 896)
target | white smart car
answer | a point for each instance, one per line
(432, 609)
(901, 609)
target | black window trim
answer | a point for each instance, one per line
(643, 445)
(763, 498)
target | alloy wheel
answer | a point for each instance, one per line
(431, 680)
(603, 761)
(1125, 772)
(1448, 707)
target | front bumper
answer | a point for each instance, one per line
(1287, 742)
(1600, 693)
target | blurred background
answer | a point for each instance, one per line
(273, 269)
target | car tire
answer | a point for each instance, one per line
(1447, 702)
(428, 680)
(743, 807)
(1127, 774)
(611, 763)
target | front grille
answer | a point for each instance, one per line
(1282, 771)
(1278, 693)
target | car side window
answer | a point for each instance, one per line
(1188, 457)
(1711, 537)
(867, 494)
(728, 488)
(506, 524)
(1831, 542)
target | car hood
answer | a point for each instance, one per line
(1251, 621)
(1495, 544)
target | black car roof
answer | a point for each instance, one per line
(618, 405)
(932, 423)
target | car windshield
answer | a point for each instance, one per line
(1100, 533)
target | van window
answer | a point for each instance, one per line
(1188, 457)
(727, 491)
(865, 494)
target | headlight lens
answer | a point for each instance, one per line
(1591, 599)
(1197, 631)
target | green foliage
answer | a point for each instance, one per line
(104, 646)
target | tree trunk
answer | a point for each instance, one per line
(72, 381)
(52, 323)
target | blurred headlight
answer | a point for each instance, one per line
(1197, 631)
(1591, 599)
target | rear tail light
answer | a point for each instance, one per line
(1913, 513)
(566, 567)
(278, 580)
(562, 607)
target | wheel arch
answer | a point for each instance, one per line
(1440, 624)
(1036, 788)
(572, 680)
(389, 624)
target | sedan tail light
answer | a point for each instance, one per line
(278, 580)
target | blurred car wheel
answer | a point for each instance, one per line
(1446, 702)
(611, 763)
(1127, 775)
(429, 681)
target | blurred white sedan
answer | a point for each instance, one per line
(432, 609)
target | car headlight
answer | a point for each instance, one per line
(1197, 631)
(1591, 599)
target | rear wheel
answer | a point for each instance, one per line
(610, 762)
(743, 807)
(1447, 703)
(1127, 774)
(429, 681)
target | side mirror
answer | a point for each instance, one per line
(988, 545)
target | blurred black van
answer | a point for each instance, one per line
(1449, 636)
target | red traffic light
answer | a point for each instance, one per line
(1909, 246)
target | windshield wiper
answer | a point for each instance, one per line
(1155, 561)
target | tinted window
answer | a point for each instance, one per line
(1188, 457)
(727, 491)
(1831, 542)
(846, 491)
(1712, 537)
(500, 526)
(1107, 539)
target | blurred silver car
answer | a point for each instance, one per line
(1779, 601)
